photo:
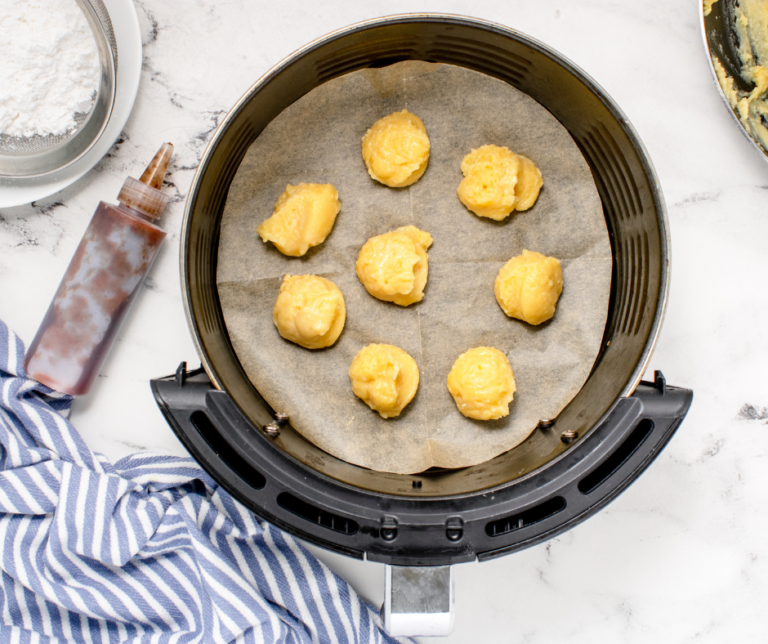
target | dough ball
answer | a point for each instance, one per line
(396, 149)
(393, 267)
(490, 177)
(385, 378)
(497, 181)
(482, 383)
(528, 287)
(303, 217)
(309, 311)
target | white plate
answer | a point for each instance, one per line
(125, 23)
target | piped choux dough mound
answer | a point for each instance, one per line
(309, 311)
(482, 383)
(396, 149)
(385, 378)
(497, 181)
(528, 286)
(393, 267)
(303, 218)
(490, 177)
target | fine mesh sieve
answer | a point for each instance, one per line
(38, 155)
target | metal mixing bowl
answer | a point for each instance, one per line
(40, 155)
(722, 44)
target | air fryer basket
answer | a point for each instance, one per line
(565, 470)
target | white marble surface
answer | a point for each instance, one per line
(682, 555)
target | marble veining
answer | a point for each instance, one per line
(696, 198)
(752, 412)
(681, 555)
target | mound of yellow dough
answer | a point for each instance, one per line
(482, 383)
(385, 378)
(393, 267)
(309, 311)
(303, 217)
(396, 149)
(528, 287)
(497, 181)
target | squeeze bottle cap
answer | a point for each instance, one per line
(144, 195)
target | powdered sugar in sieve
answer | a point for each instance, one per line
(59, 97)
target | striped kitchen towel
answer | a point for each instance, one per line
(149, 549)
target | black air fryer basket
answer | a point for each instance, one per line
(567, 469)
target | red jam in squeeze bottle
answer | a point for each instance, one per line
(101, 283)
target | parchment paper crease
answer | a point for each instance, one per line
(317, 139)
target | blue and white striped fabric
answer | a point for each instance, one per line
(149, 549)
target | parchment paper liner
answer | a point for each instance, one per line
(317, 139)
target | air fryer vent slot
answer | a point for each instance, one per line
(526, 518)
(633, 278)
(225, 451)
(637, 259)
(618, 181)
(362, 55)
(488, 59)
(203, 249)
(620, 455)
(491, 60)
(467, 59)
(364, 60)
(627, 180)
(315, 515)
(208, 308)
(622, 203)
(504, 57)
